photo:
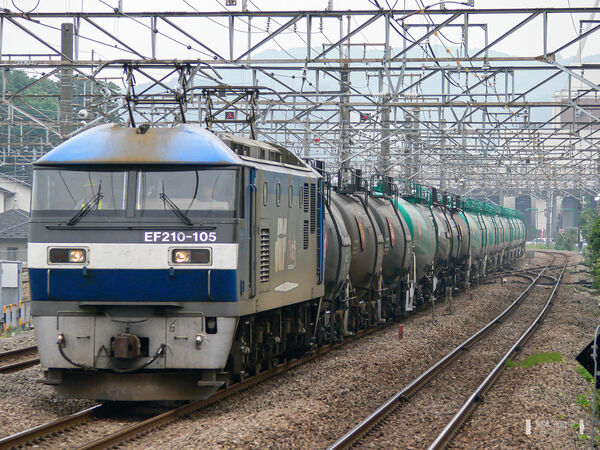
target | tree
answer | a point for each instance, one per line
(594, 238)
(587, 218)
(594, 251)
(566, 240)
(39, 99)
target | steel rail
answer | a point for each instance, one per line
(456, 422)
(124, 434)
(169, 416)
(374, 418)
(20, 364)
(23, 437)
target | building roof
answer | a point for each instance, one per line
(14, 180)
(14, 224)
(114, 144)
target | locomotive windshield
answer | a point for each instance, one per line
(206, 193)
(69, 190)
(193, 193)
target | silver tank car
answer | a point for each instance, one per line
(365, 237)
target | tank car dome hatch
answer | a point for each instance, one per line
(115, 144)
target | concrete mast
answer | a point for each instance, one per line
(65, 105)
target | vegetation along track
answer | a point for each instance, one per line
(19, 359)
(435, 395)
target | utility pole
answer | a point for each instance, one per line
(344, 119)
(443, 154)
(548, 216)
(384, 156)
(65, 104)
(307, 136)
(412, 140)
(553, 214)
(344, 100)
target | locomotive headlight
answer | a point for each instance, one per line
(77, 256)
(182, 256)
(67, 256)
(191, 256)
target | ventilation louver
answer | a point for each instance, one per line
(313, 208)
(305, 193)
(305, 245)
(265, 254)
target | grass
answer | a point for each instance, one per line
(584, 373)
(585, 400)
(536, 358)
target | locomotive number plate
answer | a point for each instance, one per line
(180, 236)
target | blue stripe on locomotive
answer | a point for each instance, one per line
(133, 285)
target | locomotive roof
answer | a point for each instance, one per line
(114, 144)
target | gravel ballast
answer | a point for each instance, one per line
(315, 404)
(545, 394)
(312, 406)
(20, 340)
(418, 422)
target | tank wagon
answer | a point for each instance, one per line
(167, 262)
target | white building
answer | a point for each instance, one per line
(15, 197)
(14, 194)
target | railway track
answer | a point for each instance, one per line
(19, 359)
(56, 426)
(453, 426)
(62, 425)
(383, 417)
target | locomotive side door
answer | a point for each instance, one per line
(262, 233)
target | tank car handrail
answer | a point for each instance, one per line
(480, 207)
(416, 193)
(357, 181)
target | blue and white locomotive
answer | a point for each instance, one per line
(148, 245)
(167, 262)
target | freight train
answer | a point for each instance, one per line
(165, 263)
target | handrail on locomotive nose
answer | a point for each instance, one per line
(127, 320)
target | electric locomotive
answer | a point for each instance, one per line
(155, 252)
